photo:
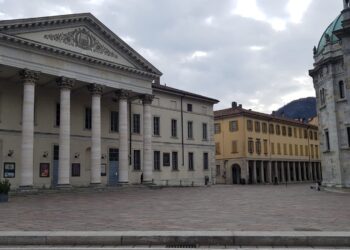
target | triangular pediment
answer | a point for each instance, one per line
(79, 33)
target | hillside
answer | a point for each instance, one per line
(303, 108)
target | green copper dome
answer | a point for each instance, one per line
(335, 25)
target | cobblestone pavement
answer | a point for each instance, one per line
(253, 208)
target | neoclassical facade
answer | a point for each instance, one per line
(332, 84)
(80, 107)
(257, 148)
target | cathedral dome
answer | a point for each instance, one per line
(335, 25)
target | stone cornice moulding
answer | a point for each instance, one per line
(74, 55)
(28, 24)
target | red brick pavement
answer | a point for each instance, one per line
(276, 208)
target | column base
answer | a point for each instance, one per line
(123, 183)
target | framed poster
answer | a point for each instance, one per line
(75, 169)
(44, 169)
(103, 169)
(9, 170)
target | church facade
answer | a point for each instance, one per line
(331, 80)
(80, 107)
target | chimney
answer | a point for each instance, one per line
(234, 105)
(240, 105)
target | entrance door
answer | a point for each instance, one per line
(113, 173)
(55, 165)
(236, 174)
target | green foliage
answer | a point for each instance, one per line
(5, 186)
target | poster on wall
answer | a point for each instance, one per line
(44, 169)
(103, 169)
(9, 170)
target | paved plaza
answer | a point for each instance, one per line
(253, 208)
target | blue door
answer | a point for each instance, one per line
(55, 165)
(113, 174)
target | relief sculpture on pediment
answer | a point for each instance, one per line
(81, 38)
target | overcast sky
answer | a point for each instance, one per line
(255, 52)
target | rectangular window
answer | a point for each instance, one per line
(278, 148)
(341, 90)
(301, 150)
(272, 148)
(271, 129)
(296, 149)
(75, 169)
(173, 128)
(257, 126)
(205, 131)
(249, 125)
(156, 125)
(218, 170)
(328, 146)
(174, 161)
(166, 159)
(311, 135)
(348, 130)
(312, 151)
(234, 147)
(136, 123)
(58, 114)
(258, 146)
(300, 133)
(290, 132)
(233, 126)
(278, 130)
(88, 117)
(217, 148)
(295, 133)
(250, 146)
(137, 160)
(190, 130)
(285, 149)
(264, 127)
(217, 128)
(190, 161)
(290, 149)
(315, 136)
(114, 121)
(316, 152)
(307, 150)
(284, 130)
(156, 160)
(205, 161)
(305, 134)
(189, 107)
(322, 97)
(265, 147)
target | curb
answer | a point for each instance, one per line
(176, 238)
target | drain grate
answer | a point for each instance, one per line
(181, 246)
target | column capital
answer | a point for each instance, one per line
(95, 89)
(147, 99)
(122, 93)
(29, 76)
(65, 82)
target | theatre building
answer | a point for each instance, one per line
(80, 107)
(253, 147)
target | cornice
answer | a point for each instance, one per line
(74, 55)
(30, 24)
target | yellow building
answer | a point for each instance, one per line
(253, 147)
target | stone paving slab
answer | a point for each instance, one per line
(232, 208)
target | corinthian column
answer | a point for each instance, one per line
(147, 139)
(96, 91)
(27, 148)
(65, 85)
(123, 137)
